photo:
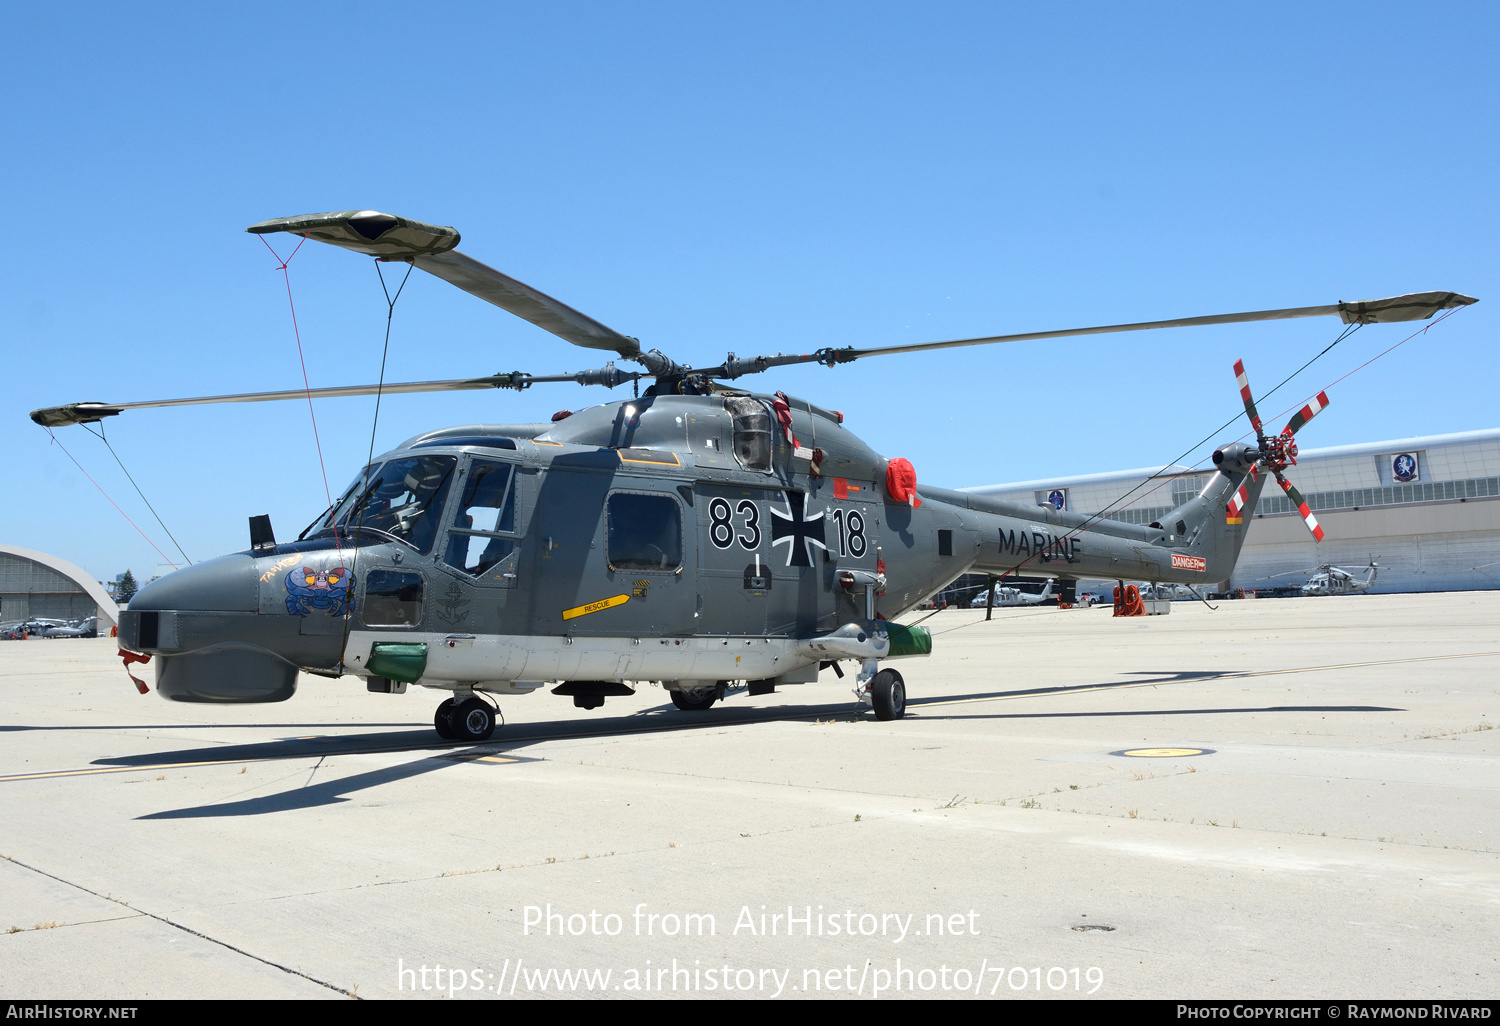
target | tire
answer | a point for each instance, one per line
(472, 720)
(888, 695)
(696, 700)
(440, 720)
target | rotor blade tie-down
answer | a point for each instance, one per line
(364, 507)
(297, 334)
(101, 436)
(112, 502)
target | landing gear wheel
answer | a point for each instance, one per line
(440, 720)
(696, 699)
(888, 695)
(472, 720)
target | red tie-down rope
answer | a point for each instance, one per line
(783, 407)
(135, 657)
(112, 502)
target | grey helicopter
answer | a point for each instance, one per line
(1336, 580)
(1000, 595)
(697, 535)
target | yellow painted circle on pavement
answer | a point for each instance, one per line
(1163, 753)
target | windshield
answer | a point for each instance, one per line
(404, 500)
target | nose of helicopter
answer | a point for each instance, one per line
(226, 584)
(211, 638)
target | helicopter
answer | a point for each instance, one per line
(697, 535)
(1009, 596)
(1334, 580)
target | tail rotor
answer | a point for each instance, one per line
(1276, 453)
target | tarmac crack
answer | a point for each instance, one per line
(185, 929)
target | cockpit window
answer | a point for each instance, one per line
(752, 432)
(486, 514)
(403, 501)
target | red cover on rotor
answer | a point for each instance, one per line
(901, 482)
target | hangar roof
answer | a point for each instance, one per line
(108, 607)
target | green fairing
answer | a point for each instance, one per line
(909, 641)
(401, 661)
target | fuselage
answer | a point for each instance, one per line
(676, 537)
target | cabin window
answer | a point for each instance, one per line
(752, 432)
(393, 598)
(945, 543)
(645, 532)
(485, 515)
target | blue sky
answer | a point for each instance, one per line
(751, 178)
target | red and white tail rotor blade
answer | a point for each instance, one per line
(1244, 383)
(1302, 507)
(1316, 405)
(1242, 496)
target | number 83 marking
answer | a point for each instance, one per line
(721, 529)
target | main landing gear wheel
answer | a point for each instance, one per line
(440, 720)
(472, 720)
(696, 699)
(888, 695)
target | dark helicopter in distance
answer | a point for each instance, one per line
(698, 535)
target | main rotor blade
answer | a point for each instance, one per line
(431, 247)
(526, 302)
(88, 413)
(1416, 306)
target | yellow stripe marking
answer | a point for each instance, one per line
(594, 607)
(1162, 753)
(672, 462)
(124, 769)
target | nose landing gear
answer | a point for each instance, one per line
(888, 695)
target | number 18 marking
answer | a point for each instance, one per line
(851, 524)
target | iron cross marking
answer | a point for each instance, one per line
(799, 532)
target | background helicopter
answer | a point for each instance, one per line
(1335, 580)
(1005, 595)
(696, 534)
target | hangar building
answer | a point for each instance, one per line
(1427, 509)
(36, 584)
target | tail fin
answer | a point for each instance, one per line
(1213, 524)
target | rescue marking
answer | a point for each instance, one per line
(594, 607)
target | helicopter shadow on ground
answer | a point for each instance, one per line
(1228, 710)
(507, 748)
(176, 726)
(1146, 678)
(658, 718)
(499, 750)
